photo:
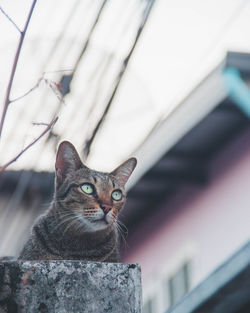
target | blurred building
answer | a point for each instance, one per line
(70, 68)
(188, 203)
(190, 209)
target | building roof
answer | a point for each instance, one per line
(226, 290)
(86, 47)
(180, 149)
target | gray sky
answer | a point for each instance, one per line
(183, 41)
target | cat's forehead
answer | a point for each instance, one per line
(97, 178)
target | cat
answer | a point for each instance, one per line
(81, 223)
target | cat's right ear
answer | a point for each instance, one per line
(67, 160)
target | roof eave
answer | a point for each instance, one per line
(200, 102)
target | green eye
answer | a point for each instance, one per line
(116, 195)
(87, 188)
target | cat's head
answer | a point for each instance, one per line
(91, 199)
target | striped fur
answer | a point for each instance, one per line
(80, 226)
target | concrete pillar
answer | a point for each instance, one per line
(69, 287)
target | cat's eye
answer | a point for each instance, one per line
(116, 195)
(87, 188)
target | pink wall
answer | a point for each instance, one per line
(215, 218)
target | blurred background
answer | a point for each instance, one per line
(166, 81)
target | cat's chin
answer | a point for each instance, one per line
(100, 225)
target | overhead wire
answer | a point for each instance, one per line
(217, 39)
(88, 144)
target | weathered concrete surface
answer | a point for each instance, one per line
(69, 286)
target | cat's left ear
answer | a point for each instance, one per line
(123, 172)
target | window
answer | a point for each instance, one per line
(170, 282)
(179, 284)
(148, 306)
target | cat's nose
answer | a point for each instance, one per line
(106, 207)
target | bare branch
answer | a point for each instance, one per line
(29, 91)
(49, 126)
(54, 86)
(59, 71)
(10, 19)
(39, 124)
(13, 70)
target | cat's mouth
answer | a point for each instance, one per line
(100, 218)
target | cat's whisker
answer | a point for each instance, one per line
(114, 216)
(126, 246)
(120, 232)
(123, 226)
(63, 222)
(80, 225)
(62, 217)
(70, 224)
(119, 227)
(74, 226)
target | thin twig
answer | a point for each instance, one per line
(59, 71)
(13, 70)
(50, 125)
(29, 91)
(10, 19)
(39, 124)
(54, 86)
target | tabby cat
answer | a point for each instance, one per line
(81, 223)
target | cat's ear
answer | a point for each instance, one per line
(67, 160)
(123, 172)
